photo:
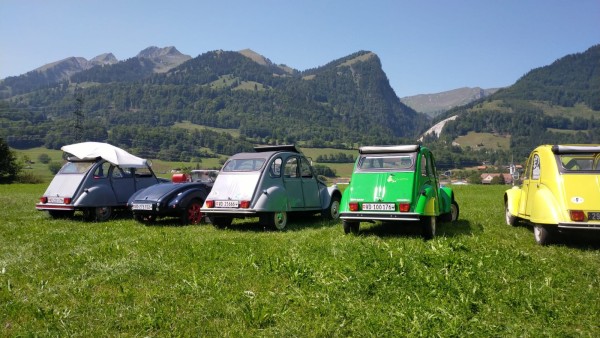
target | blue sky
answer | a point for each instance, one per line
(425, 46)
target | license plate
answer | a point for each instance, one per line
(141, 206)
(594, 216)
(226, 204)
(56, 200)
(379, 206)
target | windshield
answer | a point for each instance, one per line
(76, 167)
(400, 162)
(246, 164)
(573, 163)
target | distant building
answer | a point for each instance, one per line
(487, 178)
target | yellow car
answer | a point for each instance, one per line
(560, 191)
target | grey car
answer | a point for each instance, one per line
(269, 183)
(96, 179)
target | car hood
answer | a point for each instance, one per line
(382, 187)
(234, 186)
(64, 185)
(158, 191)
(582, 191)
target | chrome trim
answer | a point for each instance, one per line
(580, 225)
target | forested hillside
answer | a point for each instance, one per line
(559, 103)
(346, 102)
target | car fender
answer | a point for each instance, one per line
(327, 194)
(512, 199)
(545, 208)
(271, 200)
(446, 196)
(183, 198)
(97, 196)
(426, 202)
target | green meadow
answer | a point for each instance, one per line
(478, 277)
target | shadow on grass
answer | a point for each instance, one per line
(576, 239)
(415, 229)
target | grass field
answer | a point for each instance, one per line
(479, 277)
(484, 141)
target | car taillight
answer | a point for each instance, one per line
(67, 200)
(404, 207)
(577, 215)
(210, 204)
(353, 206)
(44, 199)
(245, 204)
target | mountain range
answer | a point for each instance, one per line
(164, 103)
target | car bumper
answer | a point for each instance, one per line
(228, 212)
(46, 206)
(379, 216)
(581, 226)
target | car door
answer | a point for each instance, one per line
(123, 183)
(310, 187)
(534, 182)
(293, 182)
(430, 178)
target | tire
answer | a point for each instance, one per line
(429, 227)
(542, 235)
(451, 216)
(350, 227)
(192, 213)
(220, 222)
(509, 218)
(333, 211)
(277, 220)
(454, 211)
(61, 213)
(98, 214)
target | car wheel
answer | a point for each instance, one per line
(510, 219)
(454, 211)
(278, 220)
(220, 222)
(192, 213)
(350, 227)
(61, 213)
(333, 211)
(98, 214)
(429, 225)
(542, 235)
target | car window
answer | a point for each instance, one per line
(423, 166)
(305, 169)
(536, 167)
(579, 162)
(386, 162)
(102, 170)
(143, 172)
(291, 167)
(276, 167)
(245, 164)
(76, 167)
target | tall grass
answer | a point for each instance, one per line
(479, 277)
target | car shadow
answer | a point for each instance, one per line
(576, 239)
(414, 229)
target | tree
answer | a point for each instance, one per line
(9, 167)
(44, 158)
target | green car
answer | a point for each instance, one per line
(396, 184)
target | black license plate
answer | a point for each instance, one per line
(594, 216)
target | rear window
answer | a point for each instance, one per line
(573, 163)
(75, 167)
(249, 164)
(400, 162)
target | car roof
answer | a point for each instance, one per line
(389, 149)
(266, 152)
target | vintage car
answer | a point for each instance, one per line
(96, 179)
(396, 184)
(270, 183)
(560, 191)
(182, 198)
